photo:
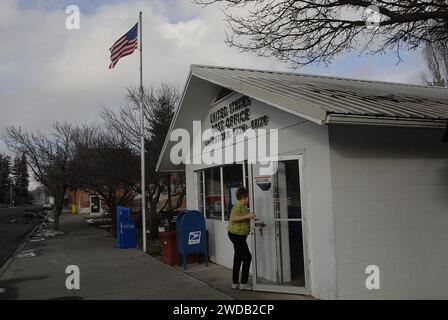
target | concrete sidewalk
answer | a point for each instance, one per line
(220, 277)
(106, 272)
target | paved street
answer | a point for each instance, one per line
(106, 272)
(11, 234)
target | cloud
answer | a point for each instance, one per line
(48, 73)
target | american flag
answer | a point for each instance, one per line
(124, 46)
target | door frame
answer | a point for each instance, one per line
(306, 257)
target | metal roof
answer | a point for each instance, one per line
(332, 100)
(320, 99)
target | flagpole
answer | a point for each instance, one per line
(142, 124)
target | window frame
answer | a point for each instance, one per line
(200, 179)
(221, 173)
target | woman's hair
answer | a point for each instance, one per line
(241, 193)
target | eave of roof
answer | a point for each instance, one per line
(277, 100)
(311, 109)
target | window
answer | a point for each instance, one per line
(232, 180)
(215, 184)
(213, 208)
(200, 176)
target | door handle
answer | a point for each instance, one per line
(260, 225)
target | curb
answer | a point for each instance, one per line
(10, 260)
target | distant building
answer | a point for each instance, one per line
(87, 202)
(41, 195)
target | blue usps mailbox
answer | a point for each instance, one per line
(125, 229)
(191, 236)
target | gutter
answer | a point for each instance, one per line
(344, 119)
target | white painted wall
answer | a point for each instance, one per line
(296, 136)
(220, 248)
(390, 199)
(373, 196)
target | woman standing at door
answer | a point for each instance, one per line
(239, 229)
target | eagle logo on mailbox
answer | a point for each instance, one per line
(194, 238)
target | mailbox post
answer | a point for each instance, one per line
(191, 236)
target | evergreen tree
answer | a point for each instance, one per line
(5, 179)
(20, 177)
(24, 179)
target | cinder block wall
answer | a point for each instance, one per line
(390, 200)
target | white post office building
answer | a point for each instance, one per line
(361, 187)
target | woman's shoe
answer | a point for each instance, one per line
(235, 286)
(245, 286)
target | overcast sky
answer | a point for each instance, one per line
(49, 73)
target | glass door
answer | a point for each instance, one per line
(278, 235)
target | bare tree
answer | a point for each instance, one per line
(436, 57)
(107, 166)
(304, 32)
(159, 110)
(50, 158)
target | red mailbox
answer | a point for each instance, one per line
(169, 249)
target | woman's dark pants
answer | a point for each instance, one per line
(242, 256)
